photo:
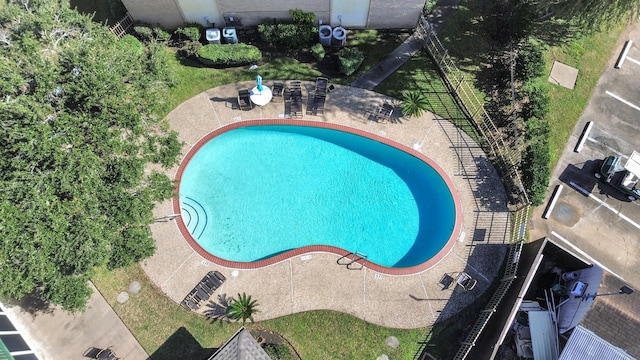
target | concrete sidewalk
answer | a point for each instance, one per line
(56, 334)
(404, 52)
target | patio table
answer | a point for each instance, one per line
(261, 98)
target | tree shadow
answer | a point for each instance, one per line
(33, 304)
(460, 312)
(217, 311)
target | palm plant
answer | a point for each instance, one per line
(414, 103)
(242, 308)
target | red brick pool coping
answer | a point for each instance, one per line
(317, 248)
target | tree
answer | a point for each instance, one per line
(242, 308)
(81, 117)
(589, 14)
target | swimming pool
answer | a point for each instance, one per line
(253, 193)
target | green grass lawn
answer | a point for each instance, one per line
(194, 78)
(155, 319)
(589, 55)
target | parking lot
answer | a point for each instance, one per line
(590, 216)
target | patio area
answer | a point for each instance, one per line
(315, 280)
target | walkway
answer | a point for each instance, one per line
(317, 282)
(404, 52)
(56, 334)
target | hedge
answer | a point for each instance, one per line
(131, 43)
(297, 33)
(318, 51)
(228, 54)
(350, 60)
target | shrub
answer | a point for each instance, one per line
(161, 35)
(350, 60)
(278, 352)
(288, 35)
(189, 49)
(538, 100)
(414, 103)
(145, 33)
(318, 51)
(535, 170)
(300, 17)
(535, 160)
(188, 34)
(131, 43)
(228, 54)
(296, 34)
(529, 62)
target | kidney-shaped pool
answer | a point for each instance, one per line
(254, 193)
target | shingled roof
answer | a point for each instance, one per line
(241, 346)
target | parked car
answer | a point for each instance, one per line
(622, 177)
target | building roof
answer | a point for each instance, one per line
(544, 335)
(573, 309)
(241, 346)
(585, 345)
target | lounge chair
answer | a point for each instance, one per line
(465, 281)
(203, 290)
(278, 92)
(293, 101)
(321, 86)
(107, 354)
(244, 100)
(318, 105)
(218, 276)
(190, 303)
(295, 84)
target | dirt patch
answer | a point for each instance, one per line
(268, 337)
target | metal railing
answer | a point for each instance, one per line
(122, 26)
(505, 158)
(507, 161)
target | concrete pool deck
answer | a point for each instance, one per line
(315, 282)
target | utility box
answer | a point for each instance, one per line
(229, 35)
(578, 289)
(339, 36)
(213, 35)
(325, 34)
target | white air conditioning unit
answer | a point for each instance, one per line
(578, 289)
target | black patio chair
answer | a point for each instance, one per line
(244, 100)
(465, 281)
(295, 84)
(296, 108)
(321, 86)
(190, 303)
(446, 281)
(318, 104)
(293, 100)
(107, 354)
(216, 274)
(384, 113)
(278, 92)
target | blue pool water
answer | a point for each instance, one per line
(254, 192)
